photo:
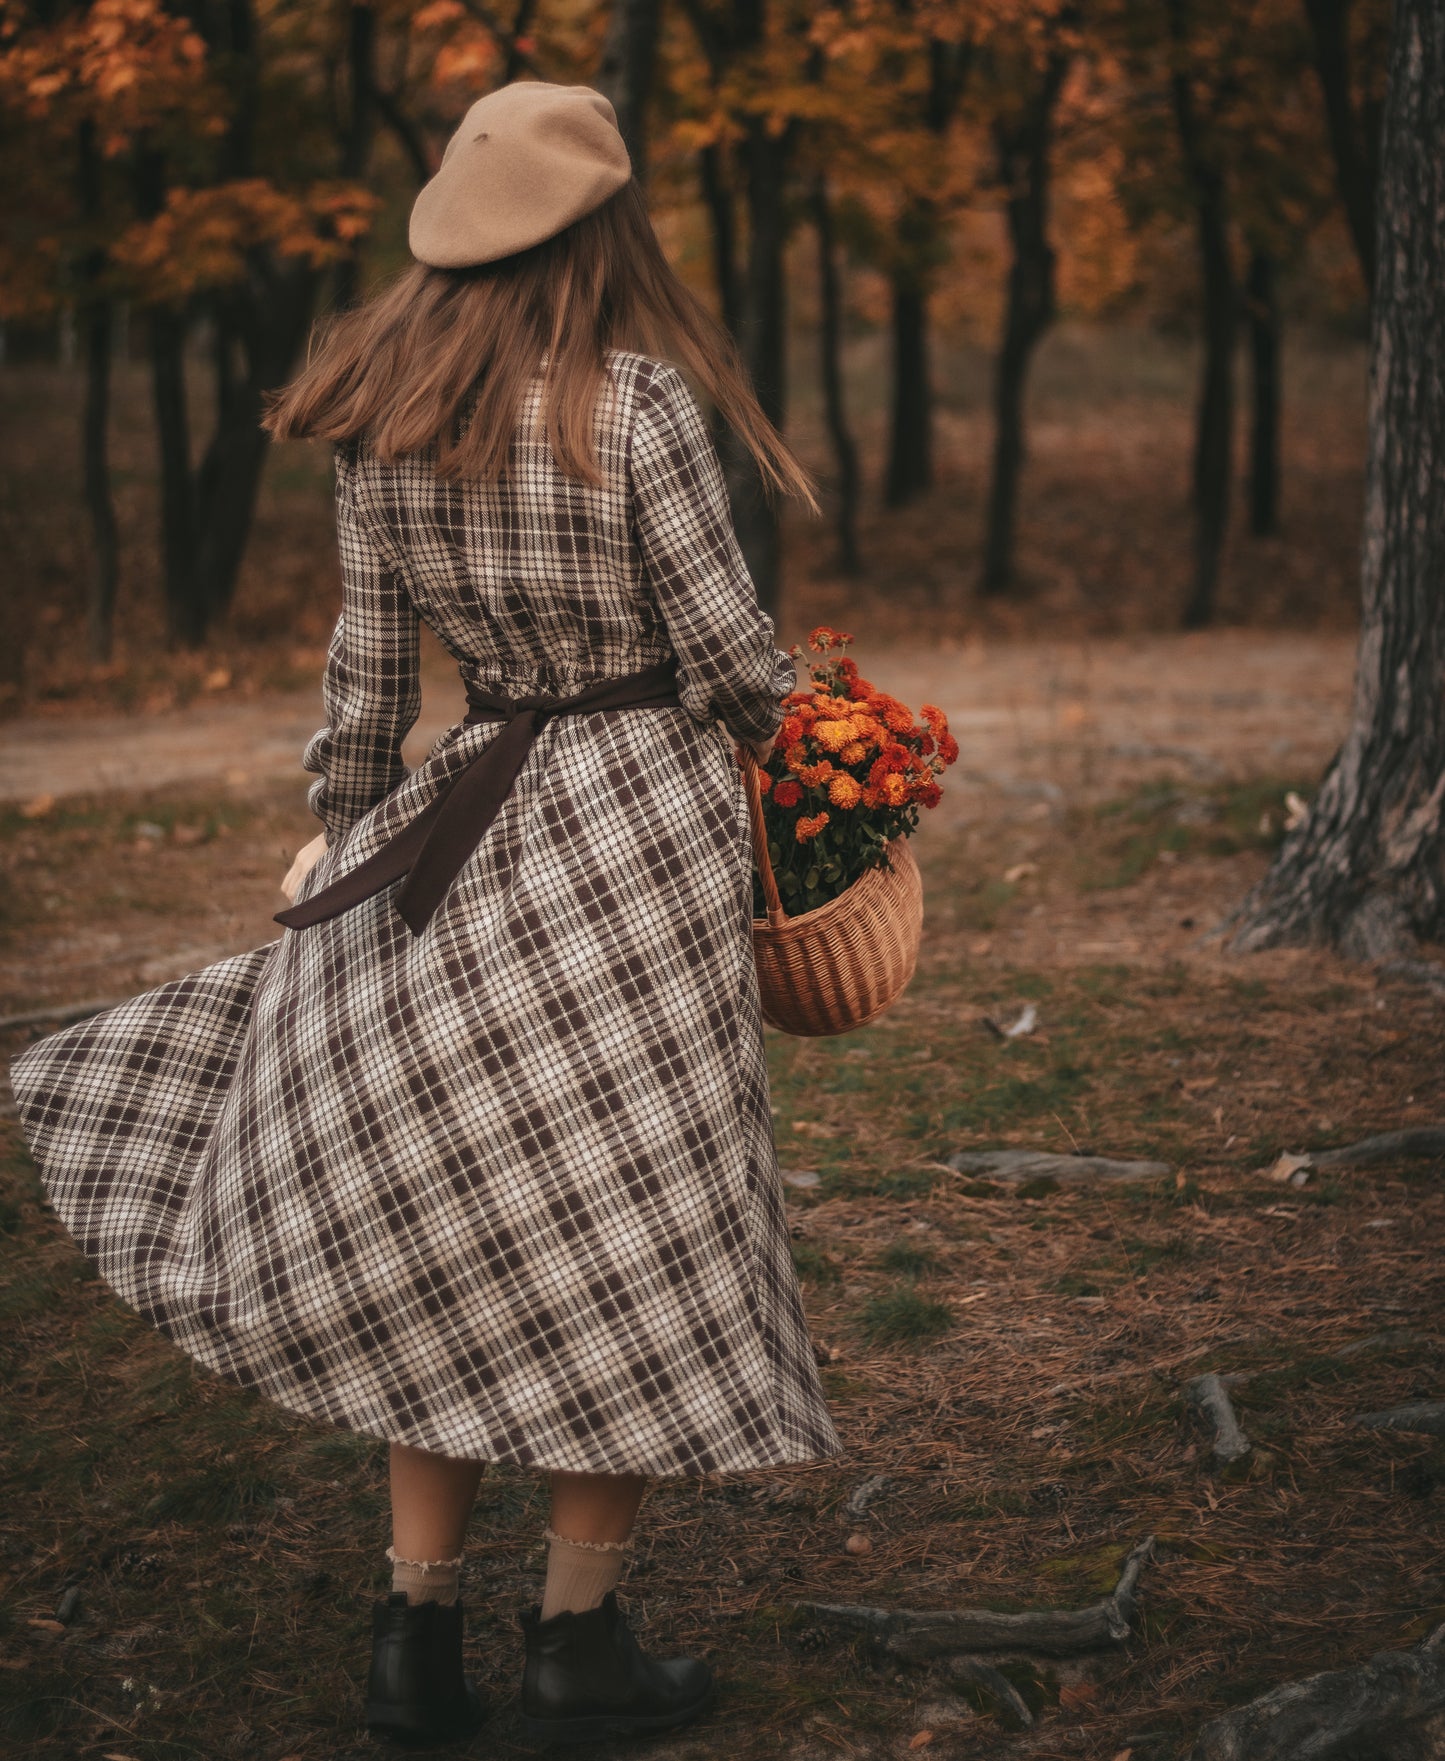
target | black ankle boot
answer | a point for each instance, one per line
(586, 1677)
(416, 1692)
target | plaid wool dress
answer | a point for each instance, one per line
(505, 1189)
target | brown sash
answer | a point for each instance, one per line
(431, 848)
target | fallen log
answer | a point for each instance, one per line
(1209, 1394)
(1341, 1711)
(1424, 1417)
(1386, 1146)
(915, 1634)
(1021, 1165)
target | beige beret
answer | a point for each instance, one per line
(528, 160)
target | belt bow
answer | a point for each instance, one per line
(431, 848)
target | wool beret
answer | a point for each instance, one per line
(528, 160)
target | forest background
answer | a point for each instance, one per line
(1065, 303)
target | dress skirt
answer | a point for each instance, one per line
(505, 1190)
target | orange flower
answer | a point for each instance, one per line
(895, 790)
(822, 639)
(833, 736)
(854, 752)
(844, 791)
(787, 793)
(948, 748)
(809, 828)
(813, 775)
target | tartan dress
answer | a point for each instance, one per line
(506, 1189)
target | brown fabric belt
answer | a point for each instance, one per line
(431, 848)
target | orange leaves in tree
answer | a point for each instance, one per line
(126, 65)
(201, 237)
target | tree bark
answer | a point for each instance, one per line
(95, 423)
(910, 446)
(1214, 431)
(1023, 147)
(1354, 144)
(1366, 869)
(830, 340)
(910, 439)
(761, 334)
(1264, 348)
(359, 128)
(624, 74)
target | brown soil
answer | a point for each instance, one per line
(1013, 1361)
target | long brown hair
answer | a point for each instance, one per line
(400, 367)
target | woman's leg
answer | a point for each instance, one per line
(591, 1519)
(431, 1499)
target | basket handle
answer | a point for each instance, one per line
(771, 897)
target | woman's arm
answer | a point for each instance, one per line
(371, 688)
(729, 669)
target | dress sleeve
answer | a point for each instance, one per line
(728, 667)
(371, 687)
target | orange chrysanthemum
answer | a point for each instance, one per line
(854, 752)
(844, 791)
(809, 828)
(787, 793)
(815, 775)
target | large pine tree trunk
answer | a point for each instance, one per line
(1366, 870)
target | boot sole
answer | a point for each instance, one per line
(413, 1731)
(598, 1726)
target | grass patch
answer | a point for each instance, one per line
(901, 1316)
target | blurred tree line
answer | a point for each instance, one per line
(218, 171)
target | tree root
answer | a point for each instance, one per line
(1424, 1417)
(1336, 1712)
(1209, 1395)
(917, 1634)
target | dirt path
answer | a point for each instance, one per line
(1076, 718)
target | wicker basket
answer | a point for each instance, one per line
(841, 966)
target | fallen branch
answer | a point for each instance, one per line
(1011, 1703)
(1425, 1417)
(1043, 1165)
(1333, 1713)
(915, 1634)
(1386, 1146)
(1208, 1393)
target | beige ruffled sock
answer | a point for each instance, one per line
(579, 1573)
(426, 1580)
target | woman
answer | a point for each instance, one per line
(478, 1158)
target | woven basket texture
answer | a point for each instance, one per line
(839, 967)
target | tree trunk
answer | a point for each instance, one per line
(717, 195)
(830, 338)
(230, 473)
(1214, 432)
(1366, 870)
(185, 619)
(1264, 346)
(1354, 146)
(761, 337)
(910, 450)
(95, 424)
(624, 73)
(359, 129)
(1023, 145)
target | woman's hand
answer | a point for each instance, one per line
(306, 859)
